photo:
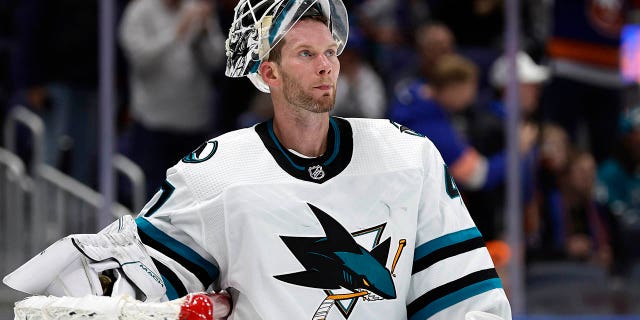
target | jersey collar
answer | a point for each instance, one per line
(320, 169)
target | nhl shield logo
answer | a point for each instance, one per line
(316, 172)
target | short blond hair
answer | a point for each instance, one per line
(452, 69)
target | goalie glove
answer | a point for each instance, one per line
(73, 266)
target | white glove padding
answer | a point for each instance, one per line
(71, 265)
(120, 242)
(479, 315)
(60, 270)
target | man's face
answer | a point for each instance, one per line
(434, 42)
(529, 97)
(309, 67)
(456, 97)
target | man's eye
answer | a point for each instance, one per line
(305, 53)
(330, 53)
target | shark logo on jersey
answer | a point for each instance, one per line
(344, 269)
(204, 152)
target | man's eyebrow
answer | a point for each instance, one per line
(300, 46)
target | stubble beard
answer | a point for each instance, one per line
(295, 95)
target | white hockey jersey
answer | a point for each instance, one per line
(373, 229)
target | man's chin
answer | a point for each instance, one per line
(321, 109)
(325, 104)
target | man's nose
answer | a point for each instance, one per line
(324, 65)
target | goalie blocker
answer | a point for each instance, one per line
(113, 262)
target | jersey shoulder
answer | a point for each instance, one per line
(388, 131)
(234, 157)
(203, 153)
(388, 140)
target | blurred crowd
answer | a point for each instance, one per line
(435, 66)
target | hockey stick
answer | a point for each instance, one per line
(195, 306)
(329, 301)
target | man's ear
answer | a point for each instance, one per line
(268, 70)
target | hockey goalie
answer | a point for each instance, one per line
(304, 216)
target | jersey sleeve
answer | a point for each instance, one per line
(452, 271)
(171, 229)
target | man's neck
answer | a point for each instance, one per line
(304, 132)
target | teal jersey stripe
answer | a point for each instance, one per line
(177, 247)
(336, 145)
(444, 241)
(172, 294)
(275, 140)
(455, 297)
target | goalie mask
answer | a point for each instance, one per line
(258, 26)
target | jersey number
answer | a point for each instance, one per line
(450, 184)
(166, 191)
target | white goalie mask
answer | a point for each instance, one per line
(258, 26)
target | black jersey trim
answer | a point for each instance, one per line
(453, 292)
(167, 190)
(336, 158)
(175, 288)
(446, 252)
(153, 237)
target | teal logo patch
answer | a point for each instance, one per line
(450, 184)
(204, 152)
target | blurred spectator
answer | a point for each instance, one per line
(573, 226)
(171, 46)
(429, 109)
(55, 67)
(553, 157)
(619, 178)
(360, 92)
(478, 26)
(379, 19)
(585, 92)
(432, 41)
(488, 120)
(235, 94)
(391, 49)
(487, 134)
